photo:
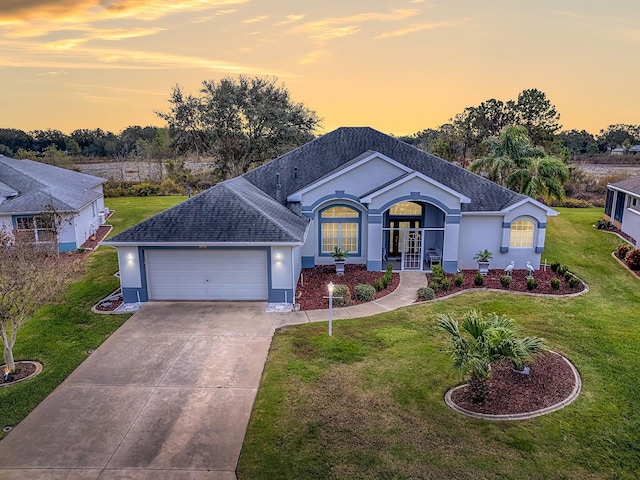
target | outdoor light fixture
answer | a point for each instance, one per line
(130, 257)
(330, 287)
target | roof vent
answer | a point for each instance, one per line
(278, 184)
(295, 172)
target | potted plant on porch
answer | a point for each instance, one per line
(339, 257)
(483, 257)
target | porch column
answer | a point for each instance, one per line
(451, 241)
(542, 230)
(374, 242)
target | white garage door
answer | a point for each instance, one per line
(206, 274)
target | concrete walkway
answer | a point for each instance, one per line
(167, 397)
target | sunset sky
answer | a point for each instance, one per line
(399, 66)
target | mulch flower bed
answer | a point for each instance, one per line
(550, 381)
(312, 286)
(110, 303)
(23, 370)
(95, 239)
(518, 282)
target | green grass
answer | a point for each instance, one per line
(368, 402)
(59, 335)
(132, 210)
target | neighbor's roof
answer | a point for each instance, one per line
(232, 211)
(34, 185)
(324, 155)
(631, 185)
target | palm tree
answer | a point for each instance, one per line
(507, 152)
(515, 163)
(540, 177)
(482, 341)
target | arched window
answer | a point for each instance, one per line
(339, 227)
(406, 209)
(522, 234)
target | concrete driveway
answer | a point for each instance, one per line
(167, 396)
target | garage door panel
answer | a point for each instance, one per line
(206, 274)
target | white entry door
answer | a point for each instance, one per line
(206, 274)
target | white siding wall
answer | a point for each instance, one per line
(357, 181)
(281, 267)
(129, 263)
(85, 224)
(477, 233)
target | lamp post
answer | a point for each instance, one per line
(330, 287)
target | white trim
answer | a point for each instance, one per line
(297, 196)
(618, 189)
(369, 198)
(550, 211)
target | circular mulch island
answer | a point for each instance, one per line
(553, 383)
(25, 369)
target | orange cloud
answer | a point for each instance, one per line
(415, 28)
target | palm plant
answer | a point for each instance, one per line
(540, 177)
(478, 341)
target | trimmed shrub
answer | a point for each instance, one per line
(562, 269)
(445, 284)
(532, 284)
(478, 280)
(623, 250)
(145, 189)
(568, 276)
(574, 282)
(384, 281)
(633, 259)
(379, 285)
(555, 283)
(576, 203)
(604, 225)
(458, 280)
(425, 293)
(554, 266)
(364, 292)
(341, 295)
(505, 281)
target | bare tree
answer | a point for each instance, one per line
(32, 274)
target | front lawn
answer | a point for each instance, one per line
(59, 336)
(368, 402)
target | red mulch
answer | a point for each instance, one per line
(550, 381)
(312, 286)
(518, 282)
(109, 304)
(23, 370)
(93, 241)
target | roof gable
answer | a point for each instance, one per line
(307, 164)
(630, 185)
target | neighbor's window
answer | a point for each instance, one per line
(521, 234)
(34, 228)
(608, 206)
(620, 201)
(340, 227)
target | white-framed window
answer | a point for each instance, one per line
(94, 208)
(34, 228)
(521, 234)
(339, 227)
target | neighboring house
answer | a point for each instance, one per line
(28, 188)
(381, 199)
(618, 151)
(634, 149)
(622, 207)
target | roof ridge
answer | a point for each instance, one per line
(238, 194)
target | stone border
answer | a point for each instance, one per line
(520, 416)
(624, 264)
(38, 366)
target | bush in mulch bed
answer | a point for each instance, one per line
(312, 286)
(517, 283)
(109, 304)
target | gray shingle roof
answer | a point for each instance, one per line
(39, 184)
(629, 185)
(318, 158)
(233, 211)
